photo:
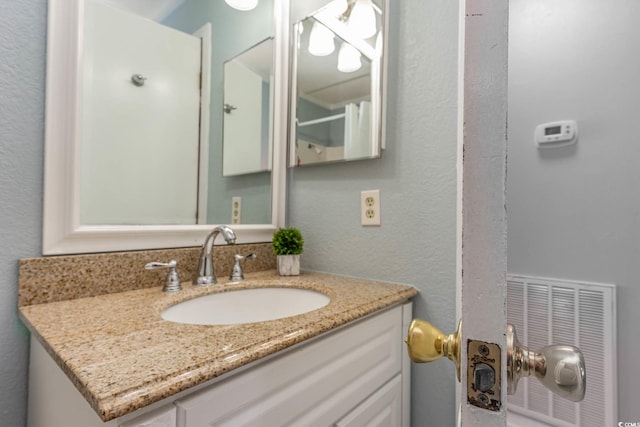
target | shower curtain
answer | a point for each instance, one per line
(357, 130)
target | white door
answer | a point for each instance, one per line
(139, 137)
(481, 263)
(483, 345)
(242, 128)
(483, 250)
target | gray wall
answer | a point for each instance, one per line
(416, 175)
(574, 213)
(22, 53)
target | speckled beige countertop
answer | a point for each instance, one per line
(122, 355)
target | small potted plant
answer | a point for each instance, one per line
(287, 245)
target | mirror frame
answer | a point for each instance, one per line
(62, 231)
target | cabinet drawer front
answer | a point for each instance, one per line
(162, 417)
(314, 384)
(381, 409)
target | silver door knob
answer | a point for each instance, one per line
(560, 368)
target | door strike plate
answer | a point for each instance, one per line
(483, 375)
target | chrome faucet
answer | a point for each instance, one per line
(206, 275)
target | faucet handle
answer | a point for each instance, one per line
(172, 282)
(239, 257)
(236, 272)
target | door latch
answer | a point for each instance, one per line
(483, 375)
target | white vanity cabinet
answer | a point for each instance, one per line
(355, 375)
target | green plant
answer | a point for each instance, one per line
(287, 241)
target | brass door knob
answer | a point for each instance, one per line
(560, 368)
(426, 343)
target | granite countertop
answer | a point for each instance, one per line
(122, 356)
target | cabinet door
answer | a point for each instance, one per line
(382, 409)
(162, 417)
(314, 384)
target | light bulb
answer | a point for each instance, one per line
(242, 4)
(321, 40)
(349, 58)
(338, 7)
(362, 21)
(379, 43)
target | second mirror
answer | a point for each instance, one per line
(337, 84)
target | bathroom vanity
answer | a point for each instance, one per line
(342, 364)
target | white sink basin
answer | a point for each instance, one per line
(246, 306)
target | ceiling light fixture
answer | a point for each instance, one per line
(349, 58)
(243, 5)
(321, 40)
(362, 20)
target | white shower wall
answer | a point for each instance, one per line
(574, 212)
(139, 144)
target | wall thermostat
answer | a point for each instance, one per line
(556, 134)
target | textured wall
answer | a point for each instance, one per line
(416, 175)
(574, 213)
(22, 53)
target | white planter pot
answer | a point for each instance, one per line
(289, 265)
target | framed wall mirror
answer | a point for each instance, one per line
(134, 131)
(338, 90)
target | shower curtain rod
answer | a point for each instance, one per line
(322, 120)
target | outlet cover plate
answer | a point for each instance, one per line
(236, 210)
(370, 208)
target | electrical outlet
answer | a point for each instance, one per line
(236, 209)
(370, 207)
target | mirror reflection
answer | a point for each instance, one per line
(337, 83)
(248, 97)
(153, 98)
